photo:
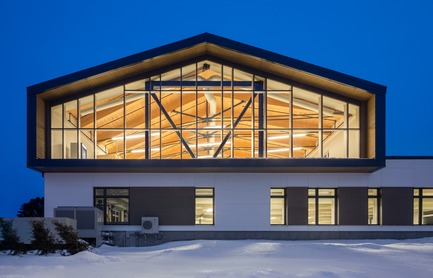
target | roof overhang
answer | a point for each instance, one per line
(205, 45)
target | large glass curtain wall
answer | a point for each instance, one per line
(205, 110)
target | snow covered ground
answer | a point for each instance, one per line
(241, 258)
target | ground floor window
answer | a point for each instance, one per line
(423, 206)
(114, 202)
(278, 206)
(374, 206)
(322, 206)
(204, 206)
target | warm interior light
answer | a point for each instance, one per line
(286, 136)
(214, 126)
(143, 150)
(284, 150)
(209, 210)
(132, 136)
(207, 156)
(211, 144)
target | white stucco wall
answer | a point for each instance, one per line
(241, 199)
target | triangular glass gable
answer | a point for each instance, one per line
(206, 110)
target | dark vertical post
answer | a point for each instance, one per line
(147, 120)
(261, 120)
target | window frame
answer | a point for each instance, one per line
(378, 198)
(203, 197)
(285, 211)
(420, 197)
(316, 197)
(105, 196)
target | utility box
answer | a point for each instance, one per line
(89, 221)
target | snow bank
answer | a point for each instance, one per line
(238, 258)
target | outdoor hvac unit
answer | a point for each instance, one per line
(149, 225)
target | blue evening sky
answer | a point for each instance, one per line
(389, 42)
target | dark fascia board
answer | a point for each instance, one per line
(217, 40)
(327, 165)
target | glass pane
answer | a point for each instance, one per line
(416, 192)
(311, 192)
(209, 71)
(155, 149)
(189, 74)
(242, 113)
(87, 139)
(334, 113)
(305, 109)
(373, 218)
(86, 112)
(71, 116)
(135, 110)
(70, 144)
(110, 144)
(306, 144)
(117, 210)
(243, 144)
(170, 145)
(427, 192)
(208, 143)
(169, 76)
(56, 116)
(170, 101)
(327, 211)
(117, 192)
(416, 211)
(204, 192)
(427, 211)
(353, 116)
(277, 191)
(109, 108)
(204, 211)
(326, 192)
(311, 211)
(240, 76)
(277, 211)
(278, 144)
(227, 74)
(56, 144)
(275, 85)
(373, 191)
(99, 192)
(228, 109)
(335, 143)
(278, 110)
(136, 85)
(354, 144)
(135, 148)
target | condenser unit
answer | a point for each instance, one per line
(149, 225)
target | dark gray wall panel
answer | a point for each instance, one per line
(297, 204)
(173, 205)
(353, 206)
(397, 206)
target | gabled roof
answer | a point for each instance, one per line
(206, 45)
